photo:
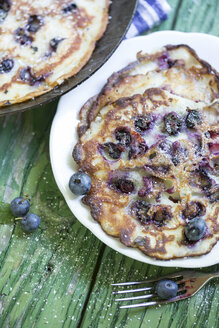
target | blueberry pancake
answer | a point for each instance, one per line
(153, 162)
(44, 42)
(174, 68)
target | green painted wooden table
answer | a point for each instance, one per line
(60, 275)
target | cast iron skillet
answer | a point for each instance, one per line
(121, 13)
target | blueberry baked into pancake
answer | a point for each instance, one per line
(152, 157)
(44, 42)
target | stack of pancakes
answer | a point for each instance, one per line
(150, 143)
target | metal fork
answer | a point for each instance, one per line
(189, 283)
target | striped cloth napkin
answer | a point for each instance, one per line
(149, 13)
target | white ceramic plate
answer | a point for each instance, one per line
(63, 135)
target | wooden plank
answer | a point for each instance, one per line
(198, 16)
(201, 310)
(45, 276)
(169, 23)
(103, 311)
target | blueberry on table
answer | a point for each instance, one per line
(193, 118)
(19, 206)
(166, 289)
(195, 229)
(80, 183)
(30, 222)
(172, 123)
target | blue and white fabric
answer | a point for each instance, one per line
(148, 14)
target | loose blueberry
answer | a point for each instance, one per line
(140, 209)
(194, 209)
(143, 123)
(19, 206)
(193, 118)
(195, 229)
(172, 123)
(123, 185)
(5, 6)
(80, 183)
(6, 66)
(123, 136)
(113, 150)
(34, 23)
(166, 289)
(54, 43)
(30, 222)
(70, 8)
(22, 38)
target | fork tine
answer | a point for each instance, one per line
(177, 298)
(173, 275)
(129, 283)
(132, 290)
(137, 305)
(135, 298)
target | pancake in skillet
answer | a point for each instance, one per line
(152, 172)
(174, 68)
(44, 42)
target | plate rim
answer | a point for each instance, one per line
(124, 250)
